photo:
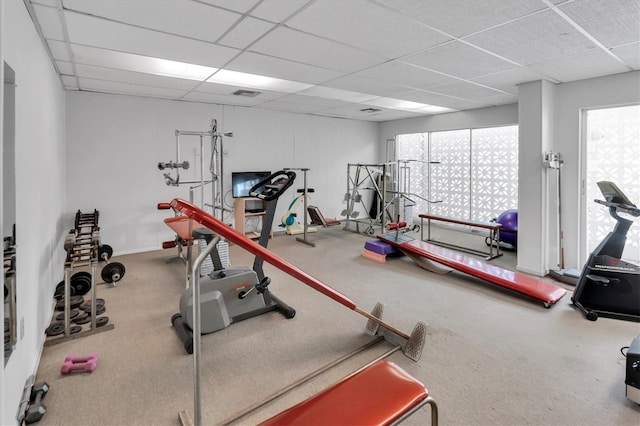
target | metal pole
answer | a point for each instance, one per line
(195, 285)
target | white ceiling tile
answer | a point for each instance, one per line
(295, 103)
(358, 83)
(110, 74)
(256, 63)
(406, 74)
(612, 22)
(228, 90)
(111, 35)
(571, 68)
(539, 37)
(465, 90)
(278, 10)
(459, 60)
(338, 94)
(240, 6)
(246, 32)
(69, 82)
(184, 18)
(506, 99)
(59, 50)
(508, 80)
(430, 98)
(629, 53)
(216, 98)
(50, 23)
(319, 103)
(137, 63)
(299, 47)
(131, 89)
(462, 17)
(65, 68)
(350, 22)
(52, 3)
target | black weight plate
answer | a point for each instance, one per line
(74, 313)
(103, 250)
(75, 329)
(113, 272)
(74, 302)
(102, 321)
(59, 293)
(81, 274)
(100, 309)
(87, 305)
(55, 329)
(81, 285)
(83, 318)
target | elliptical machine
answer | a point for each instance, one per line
(609, 286)
(235, 294)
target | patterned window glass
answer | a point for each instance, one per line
(473, 173)
(494, 171)
(450, 179)
(613, 154)
(413, 169)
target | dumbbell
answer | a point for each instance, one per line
(36, 407)
(79, 363)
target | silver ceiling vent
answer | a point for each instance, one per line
(247, 93)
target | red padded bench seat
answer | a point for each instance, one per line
(381, 394)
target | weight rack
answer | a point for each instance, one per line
(82, 245)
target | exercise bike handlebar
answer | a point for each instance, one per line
(256, 249)
(622, 208)
(273, 186)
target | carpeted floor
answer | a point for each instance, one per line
(492, 357)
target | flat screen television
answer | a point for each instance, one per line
(242, 182)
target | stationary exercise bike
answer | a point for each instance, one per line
(609, 286)
(235, 294)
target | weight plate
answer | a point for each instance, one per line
(87, 305)
(59, 293)
(100, 309)
(81, 274)
(81, 284)
(102, 321)
(74, 302)
(75, 329)
(105, 250)
(74, 313)
(113, 272)
(55, 329)
(83, 318)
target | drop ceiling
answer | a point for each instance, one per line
(375, 60)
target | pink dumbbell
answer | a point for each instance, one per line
(77, 358)
(79, 363)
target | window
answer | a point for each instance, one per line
(613, 150)
(470, 174)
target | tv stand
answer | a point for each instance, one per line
(241, 213)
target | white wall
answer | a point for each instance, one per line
(114, 144)
(40, 194)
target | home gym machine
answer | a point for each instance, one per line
(609, 286)
(235, 294)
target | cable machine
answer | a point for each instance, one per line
(216, 167)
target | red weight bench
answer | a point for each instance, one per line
(381, 394)
(318, 219)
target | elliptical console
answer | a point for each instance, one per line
(609, 286)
